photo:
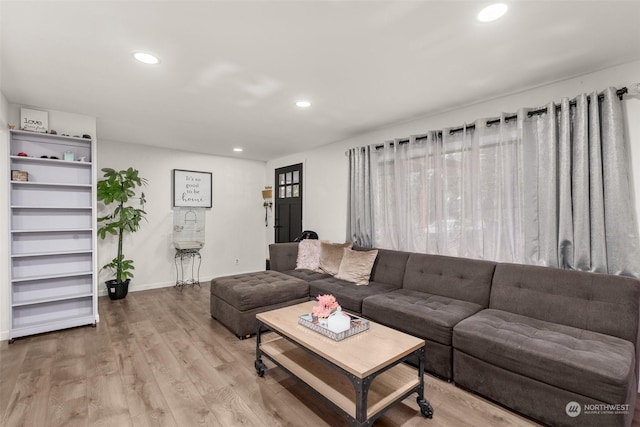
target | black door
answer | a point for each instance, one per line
(288, 211)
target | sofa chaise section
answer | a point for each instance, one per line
(235, 300)
(437, 293)
(551, 337)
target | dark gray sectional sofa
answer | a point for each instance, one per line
(538, 340)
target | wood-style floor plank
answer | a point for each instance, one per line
(187, 405)
(147, 405)
(231, 409)
(10, 366)
(107, 401)
(29, 403)
(68, 404)
(157, 358)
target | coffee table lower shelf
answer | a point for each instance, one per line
(360, 400)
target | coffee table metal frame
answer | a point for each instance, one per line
(360, 385)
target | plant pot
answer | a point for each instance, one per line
(117, 290)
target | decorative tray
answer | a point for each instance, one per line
(357, 325)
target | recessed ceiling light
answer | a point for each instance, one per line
(492, 12)
(303, 104)
(146, 58)
(237, 150)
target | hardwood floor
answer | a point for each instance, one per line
(157, 358)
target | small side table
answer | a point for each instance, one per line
(191, 255)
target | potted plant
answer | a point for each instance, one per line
(118, 188)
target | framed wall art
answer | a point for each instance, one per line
(34, 120)
(191, 188)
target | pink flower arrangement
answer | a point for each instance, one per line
(327, 304)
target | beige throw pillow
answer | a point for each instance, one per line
(356, 266)
(331, 255)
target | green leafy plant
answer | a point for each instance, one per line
(119, 188)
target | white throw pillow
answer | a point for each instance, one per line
(308, 255)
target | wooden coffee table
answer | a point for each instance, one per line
(361, 376)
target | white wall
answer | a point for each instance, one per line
(234, 225)
(62, 122)
(326, 168)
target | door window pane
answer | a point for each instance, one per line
(288, 191)
(281, 180)
(288, 177)
(296, 190)
(296, 177)
(281, 194)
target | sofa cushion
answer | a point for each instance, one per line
(251, 290)
(283, 256)
(598, 366)
(417, 313)
(349, 295)
(573, 298)
(389, 266)
(356, 266)
(458, 278)
(307, 275)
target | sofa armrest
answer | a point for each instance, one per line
(283, 256)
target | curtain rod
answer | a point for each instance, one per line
(620, 93)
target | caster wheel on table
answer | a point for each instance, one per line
(260, 367)
(425, 408)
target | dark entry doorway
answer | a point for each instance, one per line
(288, 210)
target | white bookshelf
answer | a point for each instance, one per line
(52, 243)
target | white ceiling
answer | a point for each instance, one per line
(232, 70)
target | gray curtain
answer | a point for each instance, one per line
(360, 222)
(578, 209)
(549, 189)
(453, 193)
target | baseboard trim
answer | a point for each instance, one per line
(134, 287)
